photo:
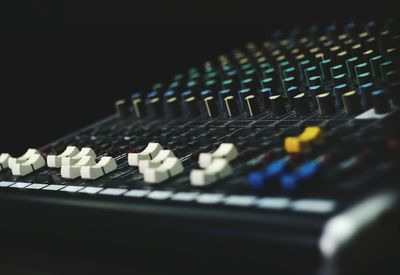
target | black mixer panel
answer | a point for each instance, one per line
(303, 126)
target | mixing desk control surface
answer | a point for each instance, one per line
(304, 125)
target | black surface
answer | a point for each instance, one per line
(66, 61)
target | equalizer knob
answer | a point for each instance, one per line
(138, 105)
(211, 106)
(351, 103)
(191, 106)
(325, 104)
(156, 107)
(122, 108)
(252, 108)
(173, 107)
(300, 104)
(380, 102)
(231, 106)
(277, 105)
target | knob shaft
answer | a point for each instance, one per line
(380, 102)
(139, 107)
(301, 105)
(231, 106)
(173, 107)
(351, 102)
(252, 108)
(325, 104)
(122, 108)
(191, 106)
(211, 106)
(277, 105)
(156, 107)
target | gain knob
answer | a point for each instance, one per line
(325, 104)
(122, 108)
(173, 107)
(211, 106)
(277, 105)
(351, 103)
(380, 102)
(252, 108)
(301, 105)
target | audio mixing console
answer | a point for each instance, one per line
(291, 143)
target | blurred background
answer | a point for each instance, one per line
(63, 64)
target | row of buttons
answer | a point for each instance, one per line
(321, 206)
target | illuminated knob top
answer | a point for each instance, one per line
(211, 106)
(122, 108)
(231, 106)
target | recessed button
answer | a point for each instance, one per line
(113, 191)
(20, 185)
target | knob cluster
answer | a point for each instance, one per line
(346, 65)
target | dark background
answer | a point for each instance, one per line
(64, 63)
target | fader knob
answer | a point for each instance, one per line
(122, 108)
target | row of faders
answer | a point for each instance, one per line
(155, 163)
